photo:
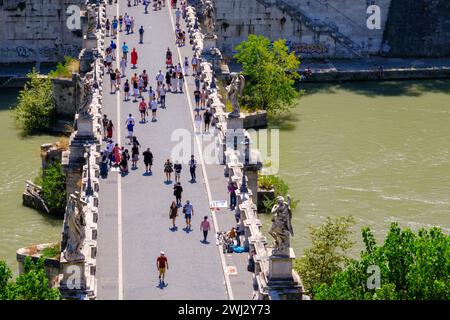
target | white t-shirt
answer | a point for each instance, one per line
(130, 120)
(160, 77)
(162, 91)
(154, 105)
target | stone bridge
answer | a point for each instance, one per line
(115, 227)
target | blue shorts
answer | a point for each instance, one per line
(188, 216)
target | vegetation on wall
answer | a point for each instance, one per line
(270, 73)
(65, 69)
(54, 188)
(36, 106)
(280, 187)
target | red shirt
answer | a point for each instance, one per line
(161, 261)
(134, 57)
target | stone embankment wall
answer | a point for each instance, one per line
(36, 31)
(418, 28)
(313, 28)
(238, 157)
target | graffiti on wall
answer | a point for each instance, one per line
(45, 53)
(308, 48)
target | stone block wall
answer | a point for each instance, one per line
(418, 28)
(314, 28)
(36, 31)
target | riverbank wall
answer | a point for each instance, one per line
(374, 75)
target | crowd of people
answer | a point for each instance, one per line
(151, 95)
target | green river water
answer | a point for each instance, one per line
(20, 226)
(377, 151)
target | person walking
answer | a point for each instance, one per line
(194, 63)
(135, 89)
(173, 213)
(192, 167)
(123, 66)
(205, 226)
(207, 119)
(132, 22)
(115, 24)
(126, 90)
(181, 81)
(146, 3)
(151, 94)
(173, 82)
(113, 83)
(105, 122)
(109, 130)
(143, 110)
(168, 58)
(108, 27)
(141, 35)
(125, 50)
(168, 169)
(203, 96)
(188, 210)
(127, 24)
(148, 160)
(162, 95)
(134, 155)
(116, 154)
(198, 122)
(177, 192)
(154, 107)
(159, 78)
(134, 58)
(113, 47)
(232, 191)
(197, 94)
(197, 81)
(129, 122)
(177, 167)
(178, 15)
(168, 78)
(123, 165)
(161, 265)
(144, 76)
(110, 149)
(186, 66)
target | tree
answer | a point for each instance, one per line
(31, 285)
(54, 188)
(328, 255)
(36, 105)
(412, 266)
(270, 73)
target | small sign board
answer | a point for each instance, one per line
(231, 270)
(219, 204)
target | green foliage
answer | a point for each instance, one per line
(51, 252)
(64, 70)
(270, 73)
(31, 285)
(328, 254)
(36, 106)
(413, 266)
(280, 187)
(54, 188)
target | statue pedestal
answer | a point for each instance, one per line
(73, 276)
(85, 126)
(235, 122)
(280, 266)
(209, 42)
(90, 42)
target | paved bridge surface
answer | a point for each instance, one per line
(134, 223)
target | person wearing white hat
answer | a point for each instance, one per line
(162, 264)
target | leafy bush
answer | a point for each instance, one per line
(270, 73)
(413, 266)
(265, 182)
(51, 252)
(65, 70)
(328, 254)
(36, 106)
(54, 188)
(31, 285)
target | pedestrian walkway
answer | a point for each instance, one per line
(134, 224)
